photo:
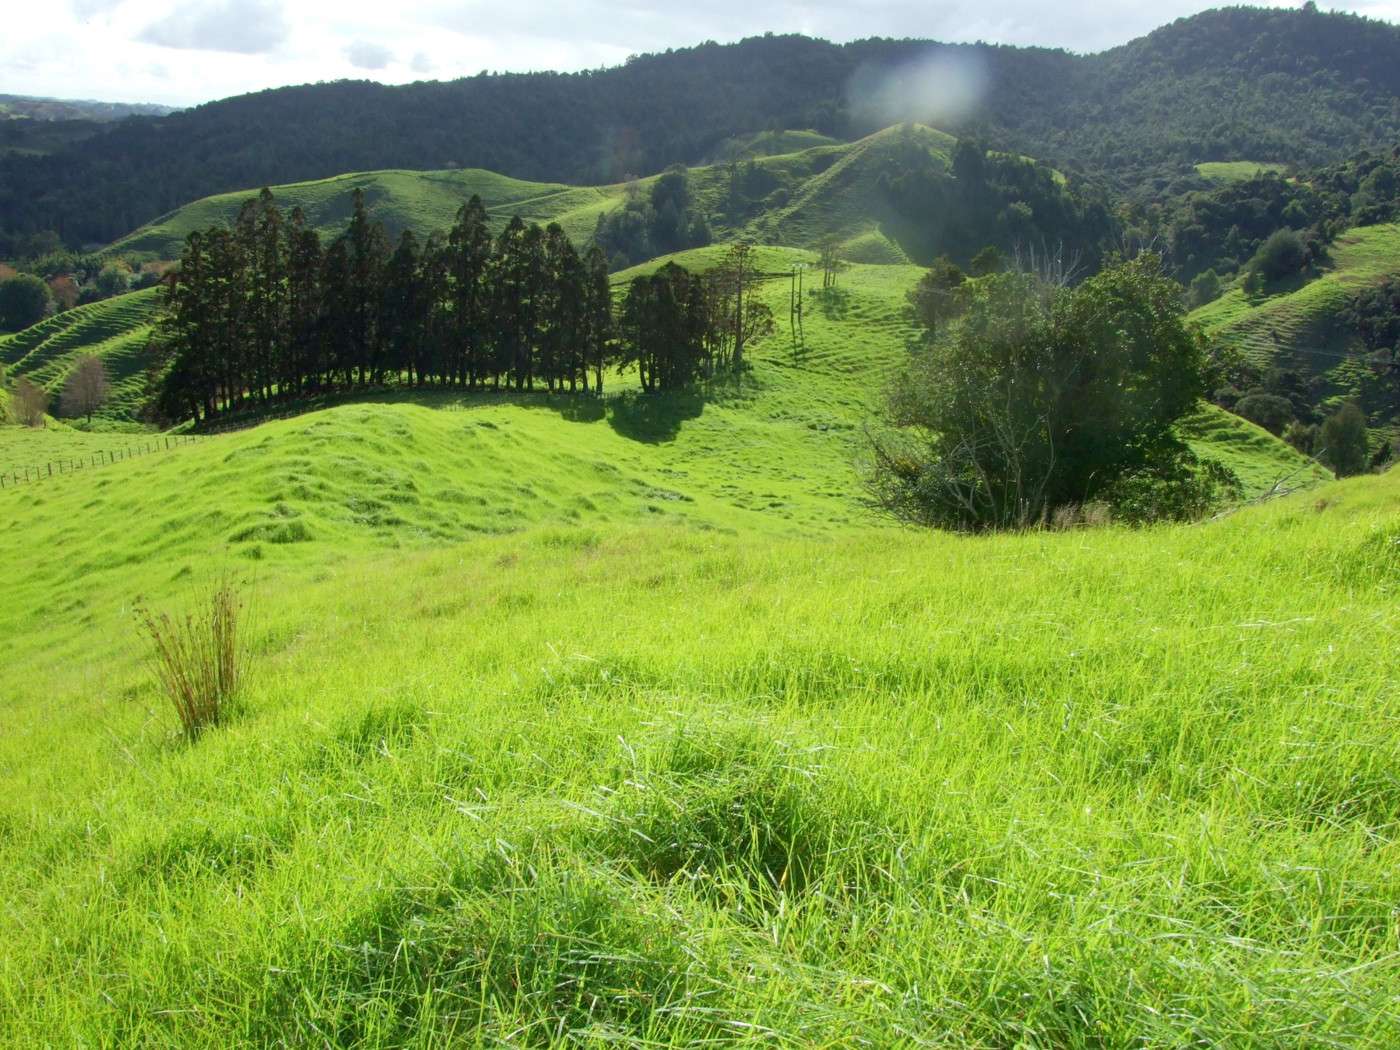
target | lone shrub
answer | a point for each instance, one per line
(1040, 397)
(1282, 255)
(198, 658)
(1344, 444)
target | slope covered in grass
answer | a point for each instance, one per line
(629, 723)
(1234, 170)
(617, 777)
(1298, 327)
(799, 197)
(1262, 462)
(115, 330)
(423, 201)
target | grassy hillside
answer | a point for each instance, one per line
(630, 723)
(1260, 460)
(1234, 170)
(618, 775)
(1297, 326)
(815, 192)
(770, 144)
(423, 201)
(116, 330)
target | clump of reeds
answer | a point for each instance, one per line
(198, 658)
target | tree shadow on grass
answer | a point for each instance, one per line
(834, 302)
(654, 418)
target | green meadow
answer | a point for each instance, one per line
(817, 188)
(626, 721)
(1235, 170)
(629, 723)
(541, 745)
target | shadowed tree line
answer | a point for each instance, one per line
(263, 310)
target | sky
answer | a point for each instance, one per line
(182, 52)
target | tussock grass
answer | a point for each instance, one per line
(198, 658)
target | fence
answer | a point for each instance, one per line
(104, 457)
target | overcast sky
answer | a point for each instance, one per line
(180, 52)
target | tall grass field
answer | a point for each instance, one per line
(560, 722)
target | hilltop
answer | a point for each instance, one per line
(1273, 85)
(824, 191)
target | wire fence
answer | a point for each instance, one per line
(28, 475)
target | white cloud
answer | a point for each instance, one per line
(242, 27)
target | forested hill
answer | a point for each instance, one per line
(1267, 84)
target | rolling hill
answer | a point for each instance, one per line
(115, 330)
(816, 396)
(1298, 326)
(639, 729)
(806, 196)
(1273, 85)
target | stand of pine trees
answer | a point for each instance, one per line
(262, 310)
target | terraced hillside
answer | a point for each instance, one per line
(1298, 327)
(1298, 321)
(115, 330)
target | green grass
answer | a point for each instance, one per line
(1297, 326)
(824, 189)
(1261, 461)
(424, 201)
(631, 724)
(1235, 170)
(618, 777)
(115, 330)
(771, 144)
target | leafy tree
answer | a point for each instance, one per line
(1343, 442)
(403, 308)
(829, 259)
(24, 301)
(663, 221)
(987, 261)
(113, 279)
(86, 389)
(468, 261)
(663, 328)
(367, 251)
(597, 317)
(1042, 397)
(1205, 288)
(1302, 436)
(305, 363)
(1269, 411)
(1282, 255)
(938, 295)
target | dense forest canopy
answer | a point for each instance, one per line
(1292, 86)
